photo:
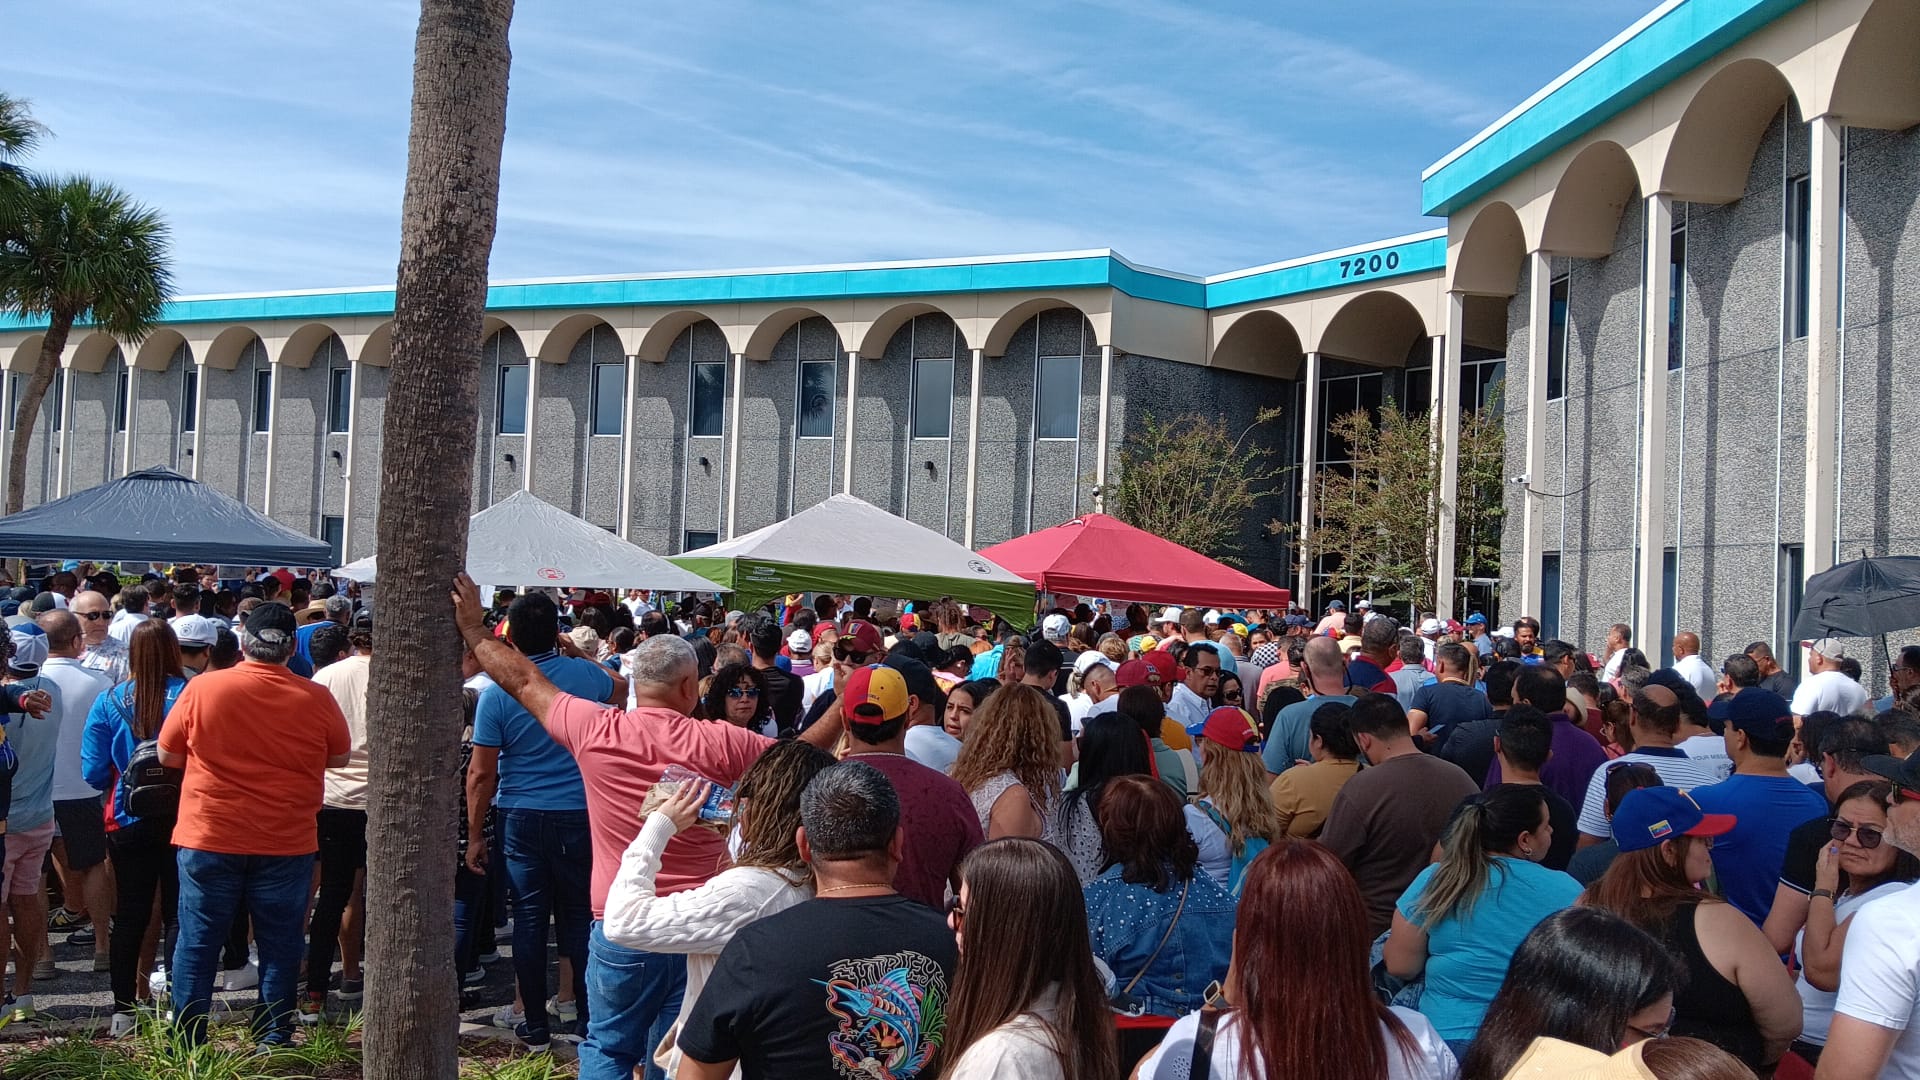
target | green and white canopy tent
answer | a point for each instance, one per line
(848, 545)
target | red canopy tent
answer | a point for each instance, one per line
(1096, 555)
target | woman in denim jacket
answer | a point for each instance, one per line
(1153, 886)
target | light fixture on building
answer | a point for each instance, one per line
(931, 471)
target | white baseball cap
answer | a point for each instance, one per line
(197, 631)
(1054, 627)
(1171, 614)
(1431, 626)
(1827, 647)
(29, 651)
(799, 642)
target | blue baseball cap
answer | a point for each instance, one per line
(1647, 816)
(1476, 619)
(1755, 712)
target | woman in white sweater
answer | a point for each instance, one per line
(767, 876)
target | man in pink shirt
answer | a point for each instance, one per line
(632, 996)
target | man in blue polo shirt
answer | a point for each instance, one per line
(543, 812)
(1768, 803)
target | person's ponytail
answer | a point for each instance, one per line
(1486, 825)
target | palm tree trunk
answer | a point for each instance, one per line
(27, 409)
(447, 221)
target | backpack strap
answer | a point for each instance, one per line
(1200, 1066)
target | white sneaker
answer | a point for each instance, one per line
(565, 1012)
(245, 978)
(509, 1017)
(122, 1025)
(22, 1007)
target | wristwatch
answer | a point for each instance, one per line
(1821, 893)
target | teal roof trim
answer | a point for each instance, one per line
(1416, 255)
(1094, 270)
(1677, 41)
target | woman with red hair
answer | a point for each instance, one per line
(1298, 1001)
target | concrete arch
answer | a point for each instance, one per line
(1715, 141)
(1583, 213)
(1258, 341)
(93, 352)
(1488, 259)
(156, 353)
(225, 350)
(1376, 328)
(377, 347)
(1877, 84)
(768, 332)
(659, 338)
(24, 355)
(1009, 324)
(297, 349)
(559, 341)
(879, 332)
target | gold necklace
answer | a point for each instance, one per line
(844, 888)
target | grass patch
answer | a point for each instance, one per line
(157, 1052)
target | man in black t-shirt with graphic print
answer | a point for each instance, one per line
(849, 985)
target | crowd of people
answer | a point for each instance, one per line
(844, 837)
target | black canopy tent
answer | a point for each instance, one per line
(156, 515)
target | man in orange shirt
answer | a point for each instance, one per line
(255, 741)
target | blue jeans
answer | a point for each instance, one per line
(213, 887)
(635, 997)
(549, 856)
(472, 918)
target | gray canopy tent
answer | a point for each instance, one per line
(156, 515)
(525, 540)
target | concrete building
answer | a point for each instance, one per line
(1697, 248)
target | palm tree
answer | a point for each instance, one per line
(73, 247)
(19, 132)
(414, 711)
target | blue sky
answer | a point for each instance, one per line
(733, 133)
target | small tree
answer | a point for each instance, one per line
(1381, 517)
(19, 131)
(1194, 480)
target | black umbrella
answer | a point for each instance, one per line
(1863, 598)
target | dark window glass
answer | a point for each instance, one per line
(1677, 299)
(263, 399)
(189, 399)
(609, 398)
(709, 400)
(333, 531)
(1557, 339)
(339, 399)
(60, 400)
(932, 399)
(510, 403)
(1550, 595)
(1669, 593)
(1799, 252)
(119, 401)
(816, 399)
(694, 541)
(1417, 397)
(1057, 412)
(1792, 589)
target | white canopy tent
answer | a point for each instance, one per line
(524, 540)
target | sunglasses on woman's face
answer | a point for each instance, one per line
(744, 692)
(1868, 834)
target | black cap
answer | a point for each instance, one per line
(918, 677)
(272, 623)
(44, 603)
(22, 594)
(1902, 771)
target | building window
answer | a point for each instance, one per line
(189, 397)
(1056, 407)
(60, 398)
(120, 389)
(510, 400)
(694, 541)
(816, 399)
(1799, 253)
(339, 399)
(1549, 595)
(333, 531)
(609, 398)
(708, 404)
(1557, 338)
(263, 399)
(1669, 595)
(1677, 298)
(932, 398)
(13, 402)
(1791, 590)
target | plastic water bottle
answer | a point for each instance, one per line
(157, 986)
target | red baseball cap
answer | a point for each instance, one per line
(1137, 673)
(1233, 728)
(1164, 663)
(865, 635)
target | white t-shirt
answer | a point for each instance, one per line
(931, 746)
(1674, 767)
(1880, 980)
(1828, 690)
(1021, 1047)
(1700, 674)
(1710, 750)
(1173, 1058)
(346, 680)
(1817, 1004)
(79, 686)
